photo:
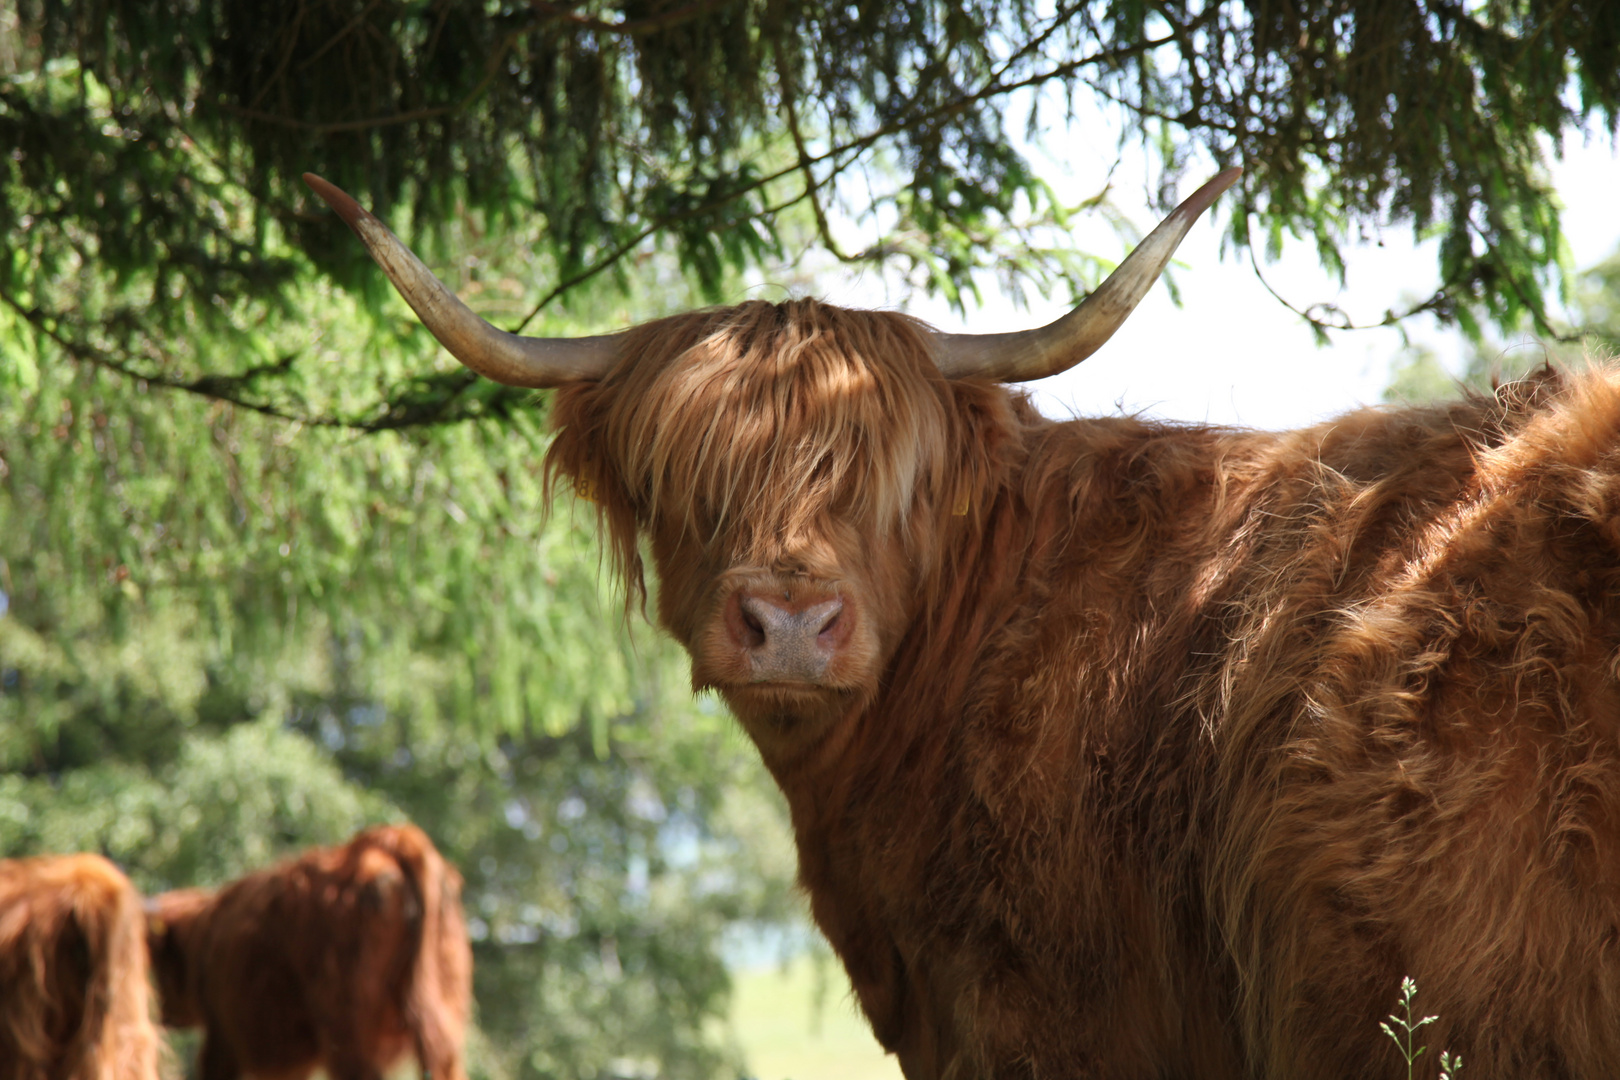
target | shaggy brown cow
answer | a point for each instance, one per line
(347, 958)
(1118, 748)
(74, 999)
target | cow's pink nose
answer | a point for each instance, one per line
(786, 644)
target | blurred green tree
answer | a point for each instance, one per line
(1417, 373)
(150, 190)
(224, 637)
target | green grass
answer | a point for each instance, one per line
(800, 1022)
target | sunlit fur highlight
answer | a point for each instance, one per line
(1188, 743)
(74, 999)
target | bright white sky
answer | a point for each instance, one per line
(1231, 354)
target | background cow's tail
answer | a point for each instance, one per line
(439, 990)
(118, 999)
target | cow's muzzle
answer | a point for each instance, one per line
(786, 639)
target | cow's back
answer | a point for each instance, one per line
(1418, 757)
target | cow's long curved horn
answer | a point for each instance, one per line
(1058, 346)
(493, 353)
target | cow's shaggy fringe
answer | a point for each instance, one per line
(822, 417)
(74, 998)
(1196, 740)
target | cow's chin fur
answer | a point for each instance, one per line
(787, 720)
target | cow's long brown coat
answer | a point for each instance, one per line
(74, 998)
(1168, 749)
(349, 958)
(1122, 749)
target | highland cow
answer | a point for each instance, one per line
(1117, 748)
(348, 959)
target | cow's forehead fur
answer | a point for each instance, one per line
(747, 426)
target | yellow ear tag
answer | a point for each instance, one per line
(961, 507)
(585, 489)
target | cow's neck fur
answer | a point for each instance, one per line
(945, 753)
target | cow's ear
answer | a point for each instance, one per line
(620, 520)
(578, 462)
(985, 419)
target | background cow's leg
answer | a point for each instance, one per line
(348, 1063)
(439, 1060)
(216, 1060)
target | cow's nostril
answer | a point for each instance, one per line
(753, 632)
(831, 623)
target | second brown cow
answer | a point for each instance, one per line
(348, 958)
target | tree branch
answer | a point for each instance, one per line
(412, 407)
(652, 24)
(425, 401)
(492, 68)
(1316, 314)
(861, 143)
